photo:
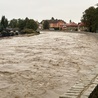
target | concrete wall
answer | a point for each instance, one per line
(94, 94)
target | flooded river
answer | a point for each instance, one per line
(46, 65)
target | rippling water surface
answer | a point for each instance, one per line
(46, 65)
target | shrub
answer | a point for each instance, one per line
(56, 28)
(5, 33)
(27, 31)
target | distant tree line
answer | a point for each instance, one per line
(23, 25)
(90, 18)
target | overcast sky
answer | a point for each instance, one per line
(45, 9)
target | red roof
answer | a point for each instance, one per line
(81, 24)
(72, 24)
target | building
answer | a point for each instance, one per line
(55, 24)
(82, 27)
(72, 26)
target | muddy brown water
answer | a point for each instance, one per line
(46, 65)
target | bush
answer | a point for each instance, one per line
(5, 33)
(28, 31)
(37, 31)
(16, 32)
(12, 34)
(56, 28)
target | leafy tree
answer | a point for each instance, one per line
(46, 24)
(27, 23)
(90, 18)
(13, 23)
(4, 22)
(95, 25)
(18, 23)
(21, 24)
(31, 24)
(1, 27)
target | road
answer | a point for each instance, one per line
(46, 65)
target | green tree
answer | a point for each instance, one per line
(90, 18)
(13, 23)
(26, 21)
(1, 27)
(4, 22)
(95, 25)
(27, 24)
(31, 24)
(46, 24)
(21, 24)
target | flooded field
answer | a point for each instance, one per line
(46, 65)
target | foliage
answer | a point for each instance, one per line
(46, 24)
(1, 27)
(5, 33)
(90, 18)
(4, 23)
(31, 24)
(27, 31)
(26, 26)
(23, 24)
(13, 23)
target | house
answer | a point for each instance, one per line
(82, 27)
(72, 26)
(55, 24)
